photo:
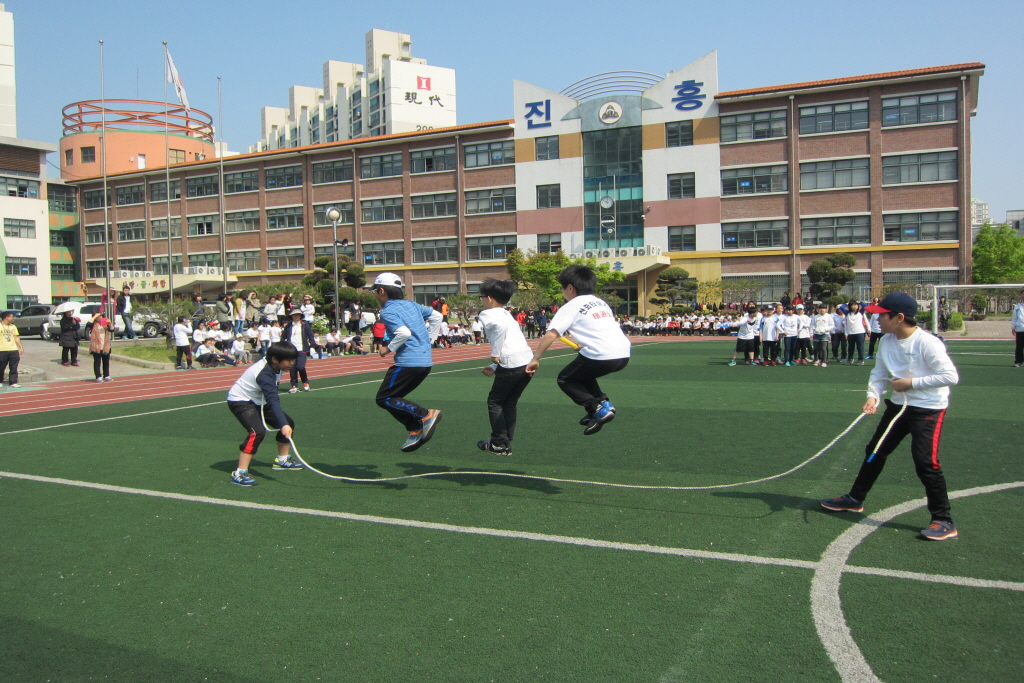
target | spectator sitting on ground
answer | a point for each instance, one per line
(239, 352)
(209, 357)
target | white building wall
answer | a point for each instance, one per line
(8, 97)
(418, 97)
(568, 173)
(38, 248)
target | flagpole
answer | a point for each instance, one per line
(167, 196)
(220, 187)
(106, 196)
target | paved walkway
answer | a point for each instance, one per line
(45, 356)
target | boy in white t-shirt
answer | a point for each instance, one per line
(749, 326)
(803, 336)
(604, 348)
(510, 354)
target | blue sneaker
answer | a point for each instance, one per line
(242, 479)
(288, 464)
(604, 413)
(732, 362)
(421, 436)
(844, 503)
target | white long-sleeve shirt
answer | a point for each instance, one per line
(920, 357)
(788, 325)
(748, 327)
(823, 324)
(804, 329)
(508, 344)
(181, 333)
(1018, 317)
(856, 323)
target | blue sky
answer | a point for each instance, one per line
(260, 48)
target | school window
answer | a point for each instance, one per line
(177, 156)
(242, 181)
(432, 205)
(132, 231)
(383, 253)
(131, 264)
(919, 168)
(348, 250)
(906, 111)
(348, 214)
(242, 221)
(19, 301)
(16, 227)
(64, 272)
(202, 225)
(158, 190)
(158, 228)
(62, 238)
(241, 261)
(921, 227)
(432, 251)
(380, 166)
(833, 118)
(376, 210)
(130, 194)
(425, 295)
(332, 171)
(62, 198)
(96, 269)
(758, 126)
(94, 234)
(160, 265)
(19, 187)
(755, 180)
(201, 186)
(547, 148)
(69, 157)
(489, 248)
(679, 133)
(283, 176)
(88, 155)
(682, 238)
(284, 218)
(207, 259)
(549, 196)
(550, 243)
(841, 173)
(835, 230)
(17, 265)
(286, 259)
(432, 160)
(490, 154)
(92, 199)
(752, 234)
(681, 186)
(491, 201)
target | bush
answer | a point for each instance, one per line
(956, 321)
(924, 319)
(680, 310)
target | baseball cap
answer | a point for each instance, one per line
(385, 279)
(897, 302)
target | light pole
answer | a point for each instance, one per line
(334, 215)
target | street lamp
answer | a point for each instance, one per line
(334, 215)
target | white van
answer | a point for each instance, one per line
(144, 323)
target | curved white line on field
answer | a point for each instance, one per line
(826, 604)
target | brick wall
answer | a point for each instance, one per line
(754, 207)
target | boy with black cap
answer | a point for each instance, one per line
(917, 366)
(410, 328)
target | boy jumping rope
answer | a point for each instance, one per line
(406, 324)
(253, 399)
(917, 366)
(510, 354)
(605, 349)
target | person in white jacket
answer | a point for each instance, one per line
(856, 327)
(803, 336)
(822, 326)
(1017, 325)
(915, 364)
(789, 327)
(182, 332)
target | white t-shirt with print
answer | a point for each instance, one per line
(592, 324)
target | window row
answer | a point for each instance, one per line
(905, 227)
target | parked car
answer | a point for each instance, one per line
(145, 323)
(33, 320)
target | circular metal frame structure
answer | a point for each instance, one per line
(610, 83)
(90, 116)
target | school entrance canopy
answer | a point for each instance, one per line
(185, 284)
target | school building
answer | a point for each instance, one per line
(638, 170)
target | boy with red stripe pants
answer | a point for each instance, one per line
(920, 372)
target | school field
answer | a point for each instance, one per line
(129, 557)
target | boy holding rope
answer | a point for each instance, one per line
(917, 366)
(255, 402)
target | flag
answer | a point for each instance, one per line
(173, 77)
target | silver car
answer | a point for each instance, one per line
(33, 319)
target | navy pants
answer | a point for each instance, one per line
(398, 383)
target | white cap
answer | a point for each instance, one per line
(388, 279)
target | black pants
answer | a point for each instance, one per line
(66, 351)
(99, 359)
(10, 358)
(771, 351)
(398, 382)
(578, 380)
(839, 345)
(185, 351)
(248, 413)
(299, 370)
(925, 428)
(803, 346)
(855, 341)
(503, 403)
(875, 336)
(1018, 351)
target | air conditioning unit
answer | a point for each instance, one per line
(590, 253)
(200, 270)
(137, 274)
(653, 250)
(625, 252)
(122, 274)
(575, 256)
(147, 273)
(213, 270)
(607, 253)
(640, 251)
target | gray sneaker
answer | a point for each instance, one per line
(939, 531)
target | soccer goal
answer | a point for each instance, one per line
(940, 290)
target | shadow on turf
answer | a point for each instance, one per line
(778, 502)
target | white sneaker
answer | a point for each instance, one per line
(293, 390)
(15, 386)
(99, 380)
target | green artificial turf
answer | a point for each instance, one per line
(112, 586)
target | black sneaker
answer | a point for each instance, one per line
(487, 446)
(939, 531)
(605, 413)
(585, 420)
(843, 503)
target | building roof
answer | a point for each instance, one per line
(341, 144)
(850, 80)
